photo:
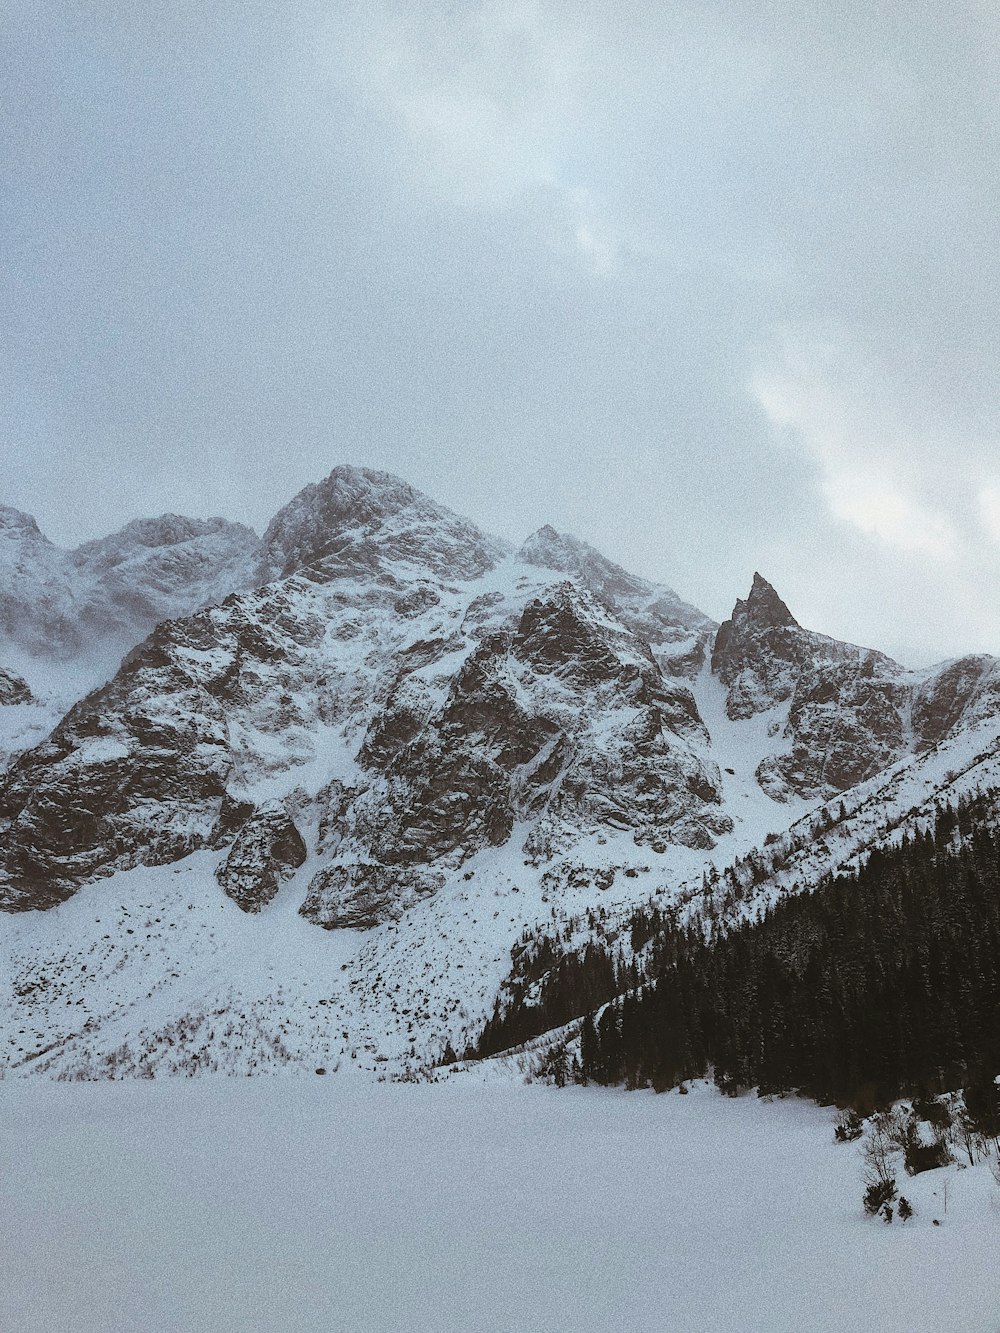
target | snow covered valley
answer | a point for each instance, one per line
(294, 1203)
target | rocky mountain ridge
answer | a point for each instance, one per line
(422, 691)
(413, 684)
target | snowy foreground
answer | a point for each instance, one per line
(290, 1203)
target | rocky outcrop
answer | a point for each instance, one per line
(267, 850)
(567, 720)
(960, 692)
(846, 722)
(362, 896)
(762, 652)
(651, 611)
(134, 774)
(13, 690)
(849, 712)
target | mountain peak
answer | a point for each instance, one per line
(549, 549)
(358, 505)
(649, 609)
(15, 520)
(763, 607)
(753, 639)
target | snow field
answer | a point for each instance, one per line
(302, 1203)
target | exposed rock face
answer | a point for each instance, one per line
(267, 850)
(566, 717)
(460, 692)
(13, 690)
(651, 611)
(410, 695)
(846, 704)
(362, 896)
(108, 594)
(846, 721)
(366, 517)
(851, 712)
(762, 651)
(959, 692)
(134, 774)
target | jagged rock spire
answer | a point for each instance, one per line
(763, 607)
(762, 610)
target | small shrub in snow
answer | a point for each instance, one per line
(905, 1209)
(935, 1112)
(878, 1194)
(881, 1142)
(849, 1127)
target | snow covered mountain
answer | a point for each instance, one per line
(410, 692)
(103, 597)
(403, 730)
(67, 618)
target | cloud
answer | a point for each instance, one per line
(714, 285)
(989, 507)
(485, 95)
(871, 470)
(491, 102)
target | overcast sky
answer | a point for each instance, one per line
(714, 286)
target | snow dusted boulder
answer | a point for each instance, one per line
(267, 850)
(363, 896)
(14, 690)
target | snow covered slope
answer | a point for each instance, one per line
(410, 695)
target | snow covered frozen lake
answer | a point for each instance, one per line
(290, 1203)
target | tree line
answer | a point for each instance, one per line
(876, 984)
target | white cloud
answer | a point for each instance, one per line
(490, 100)
(485, 94)
(871, 470)
(989, 511)
(876, 508)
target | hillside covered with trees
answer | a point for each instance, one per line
(876, 984)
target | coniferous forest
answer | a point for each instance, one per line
(874, 985)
